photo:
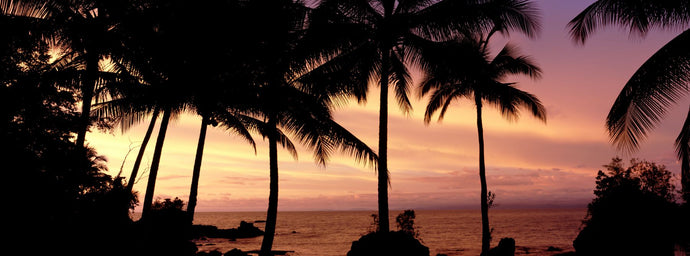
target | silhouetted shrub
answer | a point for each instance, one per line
(167, 230)
(634, 212)
(405, 221)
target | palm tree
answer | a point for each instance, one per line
(142, 149)
(294, 93)
(658, 84)
(88, 29)
(230, 119)
(215, 73)
(378, 38)
(154, 36)
(464, 69)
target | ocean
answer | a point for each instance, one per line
(449, 232)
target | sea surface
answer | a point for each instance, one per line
(450, 232)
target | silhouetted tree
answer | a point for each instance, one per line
(660, 82)
(65, 194)
(464, 69)
(289, 100)
(85, 31)
(634, 212)
(376, 39)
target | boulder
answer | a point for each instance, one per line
(236, 252)
(505, 247)
(388, 243)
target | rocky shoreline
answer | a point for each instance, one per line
(245, 230)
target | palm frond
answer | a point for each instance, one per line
(30, 9)
(349, 144)
(123, 111)
(638, 16)
(309, 131)
(447, 19)
(351, 11)
(508, 62)
(517, 15)
(286, 143)
(442, 96)
(343, 76)
(661, 81)
(402, 79)
(412, 6)
(239, 124)
(509, 100)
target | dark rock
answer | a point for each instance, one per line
(235, 252)
(211, 253)
(388, 243)
(505, 247)
(245, 230)
(554, 249)
(565, 254)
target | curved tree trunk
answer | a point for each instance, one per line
(142, 149)
(151, 185)
(683, 148)
(191, 205)
(87, 96)
(486, 232)
(384, 225)
(272, 213)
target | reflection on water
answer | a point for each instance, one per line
(450, 232)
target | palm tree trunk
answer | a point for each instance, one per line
(384, 225)
(151, 185)
(272, 213)
(87, 96)
(486, 232)
(191, 205)
(684, 154)
(142, 149)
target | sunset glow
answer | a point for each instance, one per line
(435, 166)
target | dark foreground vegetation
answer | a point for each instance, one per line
(67, 67)
(636, 211)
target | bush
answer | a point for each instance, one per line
(167, 231)
(634, 212)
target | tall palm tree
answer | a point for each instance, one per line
(215, 72)
(294, 94)
(464, 69)
(88, 29)
(378, 38)
(155, 39)
(658, 84)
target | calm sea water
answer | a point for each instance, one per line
(450, 232)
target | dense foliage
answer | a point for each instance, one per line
(634, 212)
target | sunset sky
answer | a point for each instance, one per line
(529, 163)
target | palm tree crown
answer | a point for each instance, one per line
(658, 84)
(377, 40)
(464, 69)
